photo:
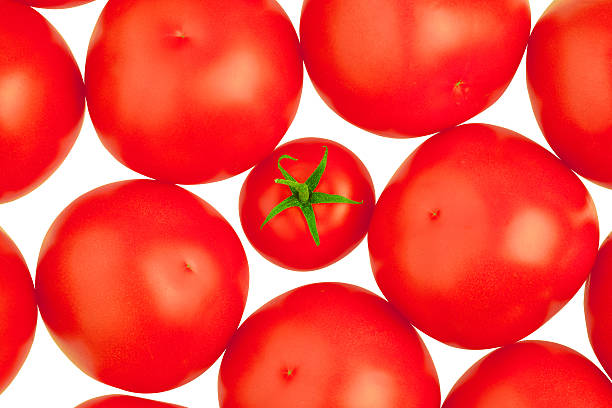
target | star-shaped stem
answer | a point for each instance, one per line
(303, 195)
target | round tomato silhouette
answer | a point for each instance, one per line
(403, 68)
(123, 401)
(42, 100)
(308, 204)
(192, 91)
(327, 345)
(598, 305)
(532, 374)
(141, 284)
(570, 84)
(481, 236)
(18, 312)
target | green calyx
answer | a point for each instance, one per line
(303, 195)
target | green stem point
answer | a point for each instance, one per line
(303, 195)
(302, 189)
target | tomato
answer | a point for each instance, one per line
(192, 91)
(598, 305)
(532, 374)
(403, 68)
(570, 84)
(481, 236)
(42, 100)
(55, 3)
(141, 284)
(327, 345)
(123, 401)
(324, 224)
(18, 312)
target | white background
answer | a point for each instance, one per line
(49, 379)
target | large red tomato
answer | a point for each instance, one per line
(123, 401)
(308, 204)
(569, 73)
(598, 305)
(192, 91)
(18, 312)
(481, 236)
(532, 374)
(141, 284)
(327, 345)
(42, 100)
(405, 68)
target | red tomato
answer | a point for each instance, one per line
(141, 284)
(18, 312)
(598, 305)
(42, 100)
(55, 4)
(192, 91)
(338, 204)
(570, 83)
(532, 374)
(481, 236)
(410, 68)
(122, 401)
(327, 345)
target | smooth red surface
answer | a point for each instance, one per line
(286, 240)
(403, 68)
(481, 236)
(42, 100)
(55, 4)
(569, 74)
(192, 91)
(141, 284)
(123, 401)
(327, 345)
(598, 305)
(532, 374)
(18, 312)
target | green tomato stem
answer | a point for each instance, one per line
(301, 188)
(303, 195)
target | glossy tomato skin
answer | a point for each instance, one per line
(532, 374)
(598, 305)
(192, 91)
(42, 100)
(18, 311)
(570, 84)
(124, 401)
(55, 4)
(141, 284)
(286, 240)
(481, 236)
(327, 345)
(410, 68)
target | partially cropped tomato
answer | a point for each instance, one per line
(569, 74)
(532, 374)
(141, 284)
(308, 204)
(55, 4)
(42, 100)
(404, 68)
(598, 305)
(18, 312)
(481, 236)
(327, 345)
(192, 91)
(123, 401)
